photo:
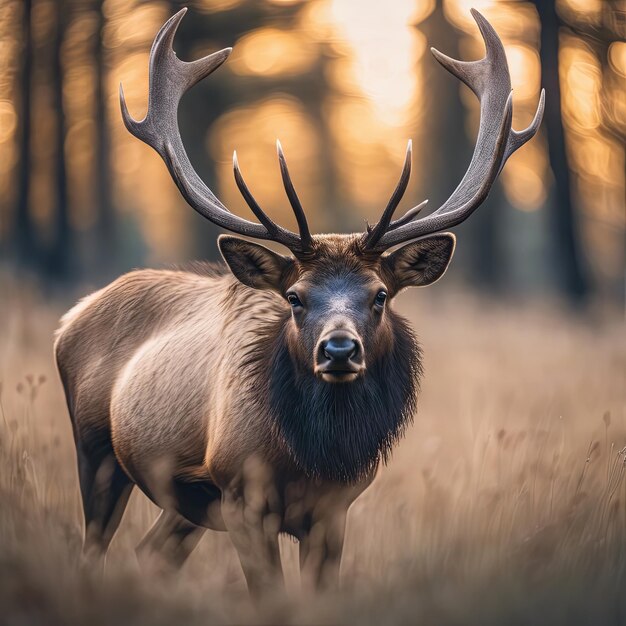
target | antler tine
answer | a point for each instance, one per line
(271, 226)
(296, 205)
(518, 138)
(441, 219)
(408, 216)
(476, 74)
(376, 232)
(170, 78)
(458, 215)
(489, 79)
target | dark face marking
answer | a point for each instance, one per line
(338, 323)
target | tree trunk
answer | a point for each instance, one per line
(25, 236)
(61, 251)
(105, 211)
(562, 219)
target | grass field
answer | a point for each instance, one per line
(505, 504)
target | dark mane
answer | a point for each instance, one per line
(341, 432)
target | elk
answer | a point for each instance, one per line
(260, 396)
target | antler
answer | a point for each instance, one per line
(170, 78)
(489, 79)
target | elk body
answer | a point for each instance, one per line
(260, 396)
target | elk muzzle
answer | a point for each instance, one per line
(339, 357)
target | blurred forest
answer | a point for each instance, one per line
(343, 84)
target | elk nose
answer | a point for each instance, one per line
(340, 348)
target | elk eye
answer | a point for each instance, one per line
(381, 296)
(293, 299)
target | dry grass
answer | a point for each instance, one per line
(506, 504)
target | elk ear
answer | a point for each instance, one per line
(421, 262)
(254, 265)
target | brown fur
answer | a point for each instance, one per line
(169, 377)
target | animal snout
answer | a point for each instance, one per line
(340, 348)
(339, 357)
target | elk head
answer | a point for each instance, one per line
(338, 286)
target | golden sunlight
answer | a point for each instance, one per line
(375, 75)
(271, 51)
(383, 52)
(617, 57)
(9, 51)
(583, 10)
(581, 85)
(524, 177)
(8, 120)
(525, 72)
(284, 2)
(212, 6)
(252, 130)
(458, 12)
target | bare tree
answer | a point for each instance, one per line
(563, 227)
(105, 209)
(24, 229)
(61, 249)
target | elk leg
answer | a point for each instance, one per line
(254, 534)
(169, 542)
(320, 553)
(105, 489)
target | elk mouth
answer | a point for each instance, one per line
(345, 374)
